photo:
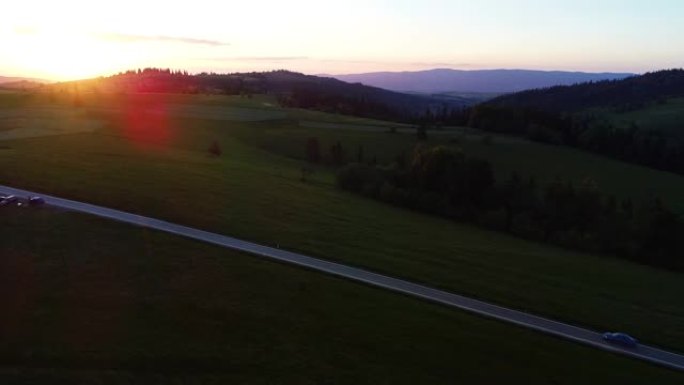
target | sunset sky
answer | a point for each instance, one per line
(71, 39)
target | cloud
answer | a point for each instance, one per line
(261, 58)
(25, 30)
(410, 64)
(126, 38)
(443, 64)
(345, 61)
(395, 62)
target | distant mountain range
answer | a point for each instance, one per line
(479, 81)
(6, 79)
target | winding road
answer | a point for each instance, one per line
(558, 329)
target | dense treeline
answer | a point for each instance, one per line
(329, 100)
(626, 94)
(445, 182)
(290, 88)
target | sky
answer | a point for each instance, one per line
(74, 39)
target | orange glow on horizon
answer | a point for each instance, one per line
(64, 55)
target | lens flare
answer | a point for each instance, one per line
(146, 121)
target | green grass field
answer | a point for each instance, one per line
(21, 123)
(507, 155)
(667, 117)
(87, 300)
(161, 168)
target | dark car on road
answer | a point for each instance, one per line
(36, 201)
(8, 200)
(621, 339)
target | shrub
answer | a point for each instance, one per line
(215, 149)
(355, 177)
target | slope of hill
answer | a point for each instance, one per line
(628, 94)
(21, 85)
(666, 116)
(634, 119)
(6, 79)
(482, 81)
(292, 90)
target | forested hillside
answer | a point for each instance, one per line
(627, 94)
(579, 116)
(292, 90)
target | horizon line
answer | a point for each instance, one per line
(321, 74)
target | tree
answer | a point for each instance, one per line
(421, 132)
(77, 101)
(512, 196)
(588, 206)
(337, 154)
(479, 183)
(487, 140)
(437, 168)
(313, 150)
(215, 149)
(306, 173)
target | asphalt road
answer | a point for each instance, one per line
(569, 332)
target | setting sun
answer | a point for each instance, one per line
(63, 55)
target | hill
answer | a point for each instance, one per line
(664, 116)
(628, 94)
(21, 85)
(596, 117)
(481, 81)
(6, 79)
(292, 90)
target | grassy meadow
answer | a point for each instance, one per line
(667, 117)
(86, 300)
(150, 157)
(507, 155)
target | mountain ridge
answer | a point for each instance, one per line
(292, 89)
(15, 79)
(440, 80)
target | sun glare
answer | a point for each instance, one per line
(67, 55)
